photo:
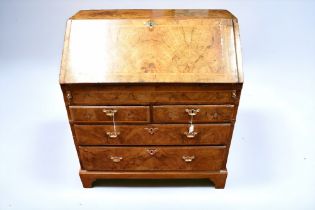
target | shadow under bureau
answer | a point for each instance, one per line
(152, 94)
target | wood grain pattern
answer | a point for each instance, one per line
(218, 178)
(144, 96)
(207, 113)
(152, 13)
(114, 59)
(165, 158)
(216, 134)
(237, 43)
(188, 87)
(199, 50)
(126, 114)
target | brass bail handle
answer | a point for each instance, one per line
(191, 129)
(111, 113)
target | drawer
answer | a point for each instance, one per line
(103, 96)
(153, 158)
(154, 134)
(201, 113)
(125, 114)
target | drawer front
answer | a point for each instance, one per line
(125, 114)
(102, 97)
(201, 113)
(152, 158)
(215, 134)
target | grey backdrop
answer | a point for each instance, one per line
(272, 160)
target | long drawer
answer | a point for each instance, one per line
(153, 134)
(125, 114)
(201, 113)
(152, 158)
(146, 96)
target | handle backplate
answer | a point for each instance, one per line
(116, 159)
(112, 134)
(192, 112)
(188, 158)
(110, 112)
(191, 134)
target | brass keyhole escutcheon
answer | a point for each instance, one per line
(150, 24)
(151, 130)
(152, 151)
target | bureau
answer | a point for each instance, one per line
(152, 94)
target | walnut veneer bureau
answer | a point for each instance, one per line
(152, 94)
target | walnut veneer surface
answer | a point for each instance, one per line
(152, 93)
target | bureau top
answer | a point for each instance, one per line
(151, 46)
(149, 13)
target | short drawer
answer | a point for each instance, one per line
(198, 113)
(153, 134)
(105, 114)
(153, 158)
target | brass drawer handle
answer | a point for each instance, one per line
(191, 134)
(152, 151)
(116, 159)
(192, 112)
(112, 134)
(110, 112)
(188, 158)
(151, 130)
